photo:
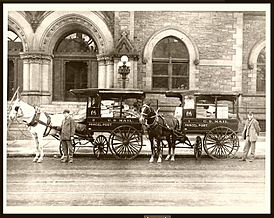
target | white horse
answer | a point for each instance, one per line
(39, 123)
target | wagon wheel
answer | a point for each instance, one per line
(221, 142)
(126, 142)
(100, 146)
(61, 149)
(198, 148)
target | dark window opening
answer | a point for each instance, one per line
(76, 77)
(76, 42)
(260, 86)
(170, 65)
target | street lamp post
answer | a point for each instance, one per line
(124, 69)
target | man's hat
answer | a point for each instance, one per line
(66, 111)
(250, 113)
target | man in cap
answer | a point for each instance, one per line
(67, 134)
(250, 134)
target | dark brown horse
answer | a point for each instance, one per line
(159, 128)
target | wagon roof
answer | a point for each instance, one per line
(230, 96)
(109, 93)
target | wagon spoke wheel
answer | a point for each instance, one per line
(198, 148)
(100, 146)
(61, 149)
(126, 142)
(221, 142)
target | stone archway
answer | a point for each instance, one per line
(22, 29)
(53, 27)
(192, 49)
(18, 24)
(252, 64)
(86, 21)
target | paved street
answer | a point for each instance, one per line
(26, 148)
(227, 186)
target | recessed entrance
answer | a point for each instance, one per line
(76, 77)
(75, 65)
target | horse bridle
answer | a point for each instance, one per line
(146, 116)
(17, 109)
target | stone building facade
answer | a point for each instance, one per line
(222, 51)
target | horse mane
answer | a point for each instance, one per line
(26, 104)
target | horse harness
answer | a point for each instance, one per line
(156, 120)
(36, 119)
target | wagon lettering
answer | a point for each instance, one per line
(202, 125)
(220, 121)
(191, 125)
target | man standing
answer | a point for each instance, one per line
(67, 133)
(250, 134)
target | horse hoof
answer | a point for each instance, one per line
(39, 160)
(35, 159)
(151, 160)
(167, 157)
(173, 159)
(159, 161)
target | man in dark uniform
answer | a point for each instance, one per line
(67, 133)
(250, 134)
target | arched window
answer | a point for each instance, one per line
(15, 77)
(77, 42)
(260, 86)
(170, 62)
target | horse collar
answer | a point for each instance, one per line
(35, 118)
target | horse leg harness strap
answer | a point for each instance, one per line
(48, 125)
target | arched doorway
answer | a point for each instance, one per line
(15, 64)
(74, 65)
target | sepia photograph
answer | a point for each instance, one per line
(136, 108)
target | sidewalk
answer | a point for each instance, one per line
(26, 148)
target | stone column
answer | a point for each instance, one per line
(115, 73)
(238, 57)
(101, 73)
(134, 72)
(109, 72)
(36, 77)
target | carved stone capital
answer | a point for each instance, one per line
(36, 56)
(105, 58)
